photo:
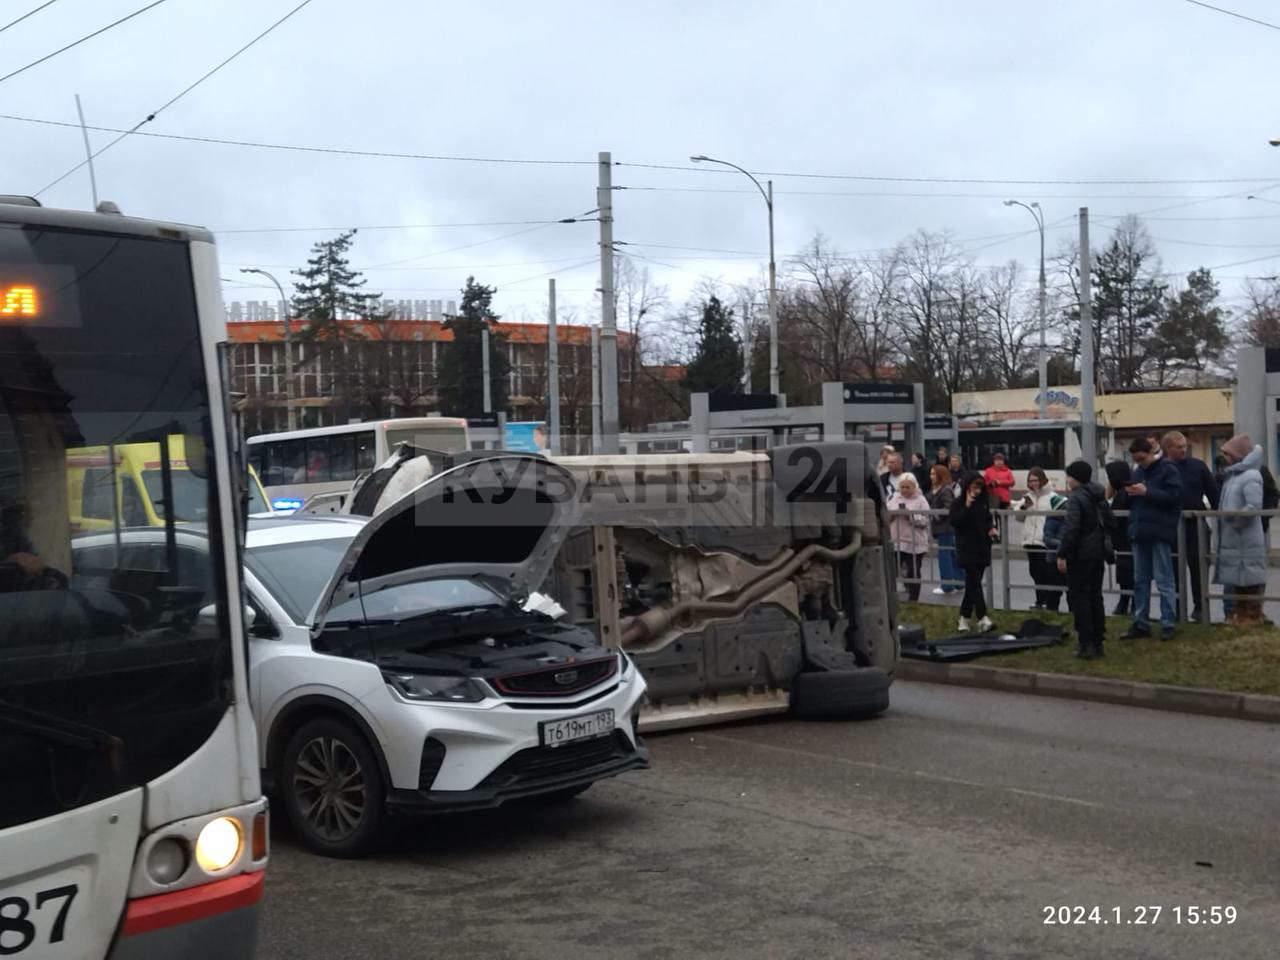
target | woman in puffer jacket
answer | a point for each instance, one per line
(909, 523)
(1038, 540)
(1242, 545)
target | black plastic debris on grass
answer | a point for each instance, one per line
(969, 646)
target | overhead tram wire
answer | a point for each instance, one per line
(76, 43)
(581, 218)
(29, 13)
(538, 161)
(1232, 13)
(994, 181)
(172, 100)
(304, 148)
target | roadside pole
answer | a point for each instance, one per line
(553, 372)
(595, 389)
(1088, 423)
(608, 320)
(484, 368)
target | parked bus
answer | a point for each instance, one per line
(132, 821)
(298, 464)
(126, 481)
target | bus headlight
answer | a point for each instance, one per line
(218, 845)
(167, 860)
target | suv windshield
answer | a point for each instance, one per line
(295, 573)
(110, 673)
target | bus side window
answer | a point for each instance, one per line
(342, 456)
(317, 459)
(366, 450)
(291, 461)
(96, 502)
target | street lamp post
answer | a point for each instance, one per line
(775, 382)
(1034, 209)
(288, 347)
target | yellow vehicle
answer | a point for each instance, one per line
(138, 487)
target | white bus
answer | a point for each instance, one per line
(298, 464)
(132, 821)
(1049, 444)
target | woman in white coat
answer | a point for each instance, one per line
(1038, 537)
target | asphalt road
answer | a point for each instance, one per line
(942, 829)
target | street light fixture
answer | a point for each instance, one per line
(1034, 209)
(775, 384)
(290, 413)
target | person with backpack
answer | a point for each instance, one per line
(1242, 546)
(975, 529)
(1156, 492)
(1082, 558)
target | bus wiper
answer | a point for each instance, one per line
(52, 728)
(56, 729)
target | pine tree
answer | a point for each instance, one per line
(717, 363)
(1129, 305)
(461, 379)
(330, 290)
(327, 292)
(1193, 334)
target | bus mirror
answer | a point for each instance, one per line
(197, 456)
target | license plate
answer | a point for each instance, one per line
(556, 733)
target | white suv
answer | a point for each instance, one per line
(394, 667)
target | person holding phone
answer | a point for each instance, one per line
(1156, 492)
(909, 527)
(975, 529)
(1038, 537)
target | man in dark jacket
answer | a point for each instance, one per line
(1198, 485)
(1082, 557)
(1156, 489)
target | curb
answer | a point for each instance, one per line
(1153, 696)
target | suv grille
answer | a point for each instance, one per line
(539, 763)
(562, 680)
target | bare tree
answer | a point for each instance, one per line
(1009, 337)
(1262, 313)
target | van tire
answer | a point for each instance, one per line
(331, 788)
(840, 694)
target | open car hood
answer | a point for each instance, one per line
(502, 516)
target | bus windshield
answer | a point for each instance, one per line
(114, 662)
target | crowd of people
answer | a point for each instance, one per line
(1129, 518)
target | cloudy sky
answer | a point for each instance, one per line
(875, 102)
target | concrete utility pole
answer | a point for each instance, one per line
(1034, 209)
(746, 346)
(289, 411)
(553, 372)
(775, 381)
(608, 321)
(595, 389)
(1088, 423)
(484, 366)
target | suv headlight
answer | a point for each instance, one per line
(427, 686)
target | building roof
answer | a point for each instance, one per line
(269, 331)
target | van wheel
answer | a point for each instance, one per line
(332, 790)
(840, 694)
